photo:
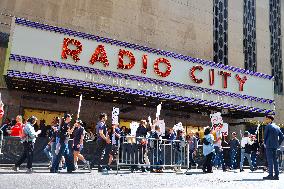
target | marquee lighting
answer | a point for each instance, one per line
(33, 76)
(62, 65)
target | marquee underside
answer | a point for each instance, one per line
(37, 84)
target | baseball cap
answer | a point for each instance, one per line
(270, 117)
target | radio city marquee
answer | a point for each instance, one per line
(40, 41)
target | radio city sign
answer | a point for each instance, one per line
(134, 62)
(73, 48)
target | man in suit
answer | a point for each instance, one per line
(273, 137)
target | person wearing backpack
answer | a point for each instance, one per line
(208, 150)
(28, 139)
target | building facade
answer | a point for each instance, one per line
(244, 36)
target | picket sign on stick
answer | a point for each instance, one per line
(114, 115)
(257, 132)
(241, 134)
(79, 108)
(159, 107)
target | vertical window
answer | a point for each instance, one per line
(220, 31)
(275, 44)
(249, 35)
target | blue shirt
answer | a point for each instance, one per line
(234, 144)
(101, 126)
(63, 132)
(77, 135)
(141, 131)
(172, 136)
(29, 133)
(207, 149)
(193, 143)
(115, 139)
(178, 144)
(273, 136)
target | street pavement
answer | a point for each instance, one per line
(82, 179)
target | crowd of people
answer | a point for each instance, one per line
(217, 151)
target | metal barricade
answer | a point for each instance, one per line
(152, 154)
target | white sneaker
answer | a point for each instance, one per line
(178, 171)
(15, 168)
(86, 165)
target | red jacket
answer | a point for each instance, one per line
(1, 112)
(17, 130)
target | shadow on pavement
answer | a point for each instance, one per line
(255, 180)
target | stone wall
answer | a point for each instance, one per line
(181, 26)
(263, 37)
(235, 34)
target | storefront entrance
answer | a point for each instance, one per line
(45, 115)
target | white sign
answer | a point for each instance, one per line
(162, 125)
(133, 127)
(178, 126)
(115, 113)
(159, 107)
(216, 120)
(225, 129)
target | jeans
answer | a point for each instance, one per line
(27, 154)
(280, 157)
(178, 157)
(219, 158)
(49, 151)
(141, 152)
(233, 157)
(191, 159)
(272, 161)
(207, 165)
(243, 155)
(101, 146)
(254, 159)
(156, 159)
(63, 151)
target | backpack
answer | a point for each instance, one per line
(205, 141)
(23, 135)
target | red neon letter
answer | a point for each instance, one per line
(225, 78)
(241, 82)
(211, 76)
(120, 64)
(144, 63)
(103, 58)
(192, 70)
(74, 53)
(157, 70)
